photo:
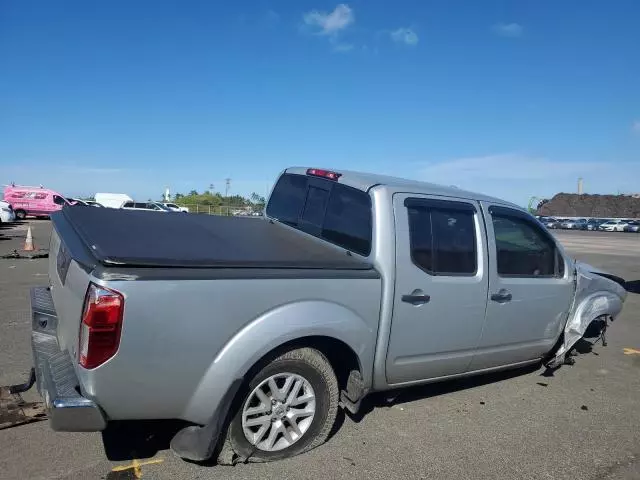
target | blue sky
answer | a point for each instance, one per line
(511, 98)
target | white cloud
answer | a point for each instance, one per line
(516, 177)
(512, 30)
(635, 127)
(404, 35)
(343, 47)
(330, 23)
(509, 166)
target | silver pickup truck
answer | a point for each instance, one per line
(255, 331)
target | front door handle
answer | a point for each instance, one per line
(502, 296)
(417, 297)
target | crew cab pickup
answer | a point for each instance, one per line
(256, 330)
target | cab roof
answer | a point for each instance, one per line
(366, 181)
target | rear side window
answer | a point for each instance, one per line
(287, 199)
(442, 236)
(334, 212)
(348, 219)
(523, 248)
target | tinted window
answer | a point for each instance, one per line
(316, 206)
(348, 219)
(523, 249)
(128, 205)
(140, 205)
(287, 198)
(58, 200)
(443, 241)
(339, 214)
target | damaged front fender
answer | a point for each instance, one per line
(598, 294)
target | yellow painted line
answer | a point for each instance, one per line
(631, 351)
(136, 466)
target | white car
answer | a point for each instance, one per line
(176, 208)
(147, 206)
(7, 215)
(613, 226)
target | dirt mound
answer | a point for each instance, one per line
(602, 206)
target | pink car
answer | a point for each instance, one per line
(33, 201)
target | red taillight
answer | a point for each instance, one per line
(316, 172)
(100, 327)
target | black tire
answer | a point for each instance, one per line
(21, 214)
(313, 366)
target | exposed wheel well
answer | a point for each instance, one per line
(340, 355)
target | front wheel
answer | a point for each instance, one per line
(21, 214)
(287, 408)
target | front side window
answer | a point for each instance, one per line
(522, 248)
(442, 237)
(128, 205)
(58, 200)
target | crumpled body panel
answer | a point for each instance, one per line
(596, 296)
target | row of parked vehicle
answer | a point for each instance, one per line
(22, 201)
(592, 224)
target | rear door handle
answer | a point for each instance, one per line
(502, 296)
(417, 297)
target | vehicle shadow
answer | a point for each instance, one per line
(633, 286)
(412, 394)
(126, 440)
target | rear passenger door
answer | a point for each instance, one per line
(530, 290)
(440, 287)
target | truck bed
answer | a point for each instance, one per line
(152, 239)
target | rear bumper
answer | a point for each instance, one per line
(68, 410)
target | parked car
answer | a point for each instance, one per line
(175, 207)
(150, 206)
(33, 201)
(7, 215)
(353, 283)
(594, 223)
(573, 224)
(112, 200)
(613, 226)
(551, 222)
(632, 226)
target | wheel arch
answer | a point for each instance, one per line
(336, 331)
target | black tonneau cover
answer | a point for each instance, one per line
(155, 239)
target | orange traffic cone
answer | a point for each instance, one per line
(28, 243)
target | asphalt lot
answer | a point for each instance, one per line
(582, 423)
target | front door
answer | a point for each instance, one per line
(440, 287)
(530, 290)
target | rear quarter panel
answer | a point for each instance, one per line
(185, 341)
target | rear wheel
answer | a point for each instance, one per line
(21, 214)
(287, 408)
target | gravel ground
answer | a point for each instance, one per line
(582, 423)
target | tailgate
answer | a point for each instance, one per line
(69, 282)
